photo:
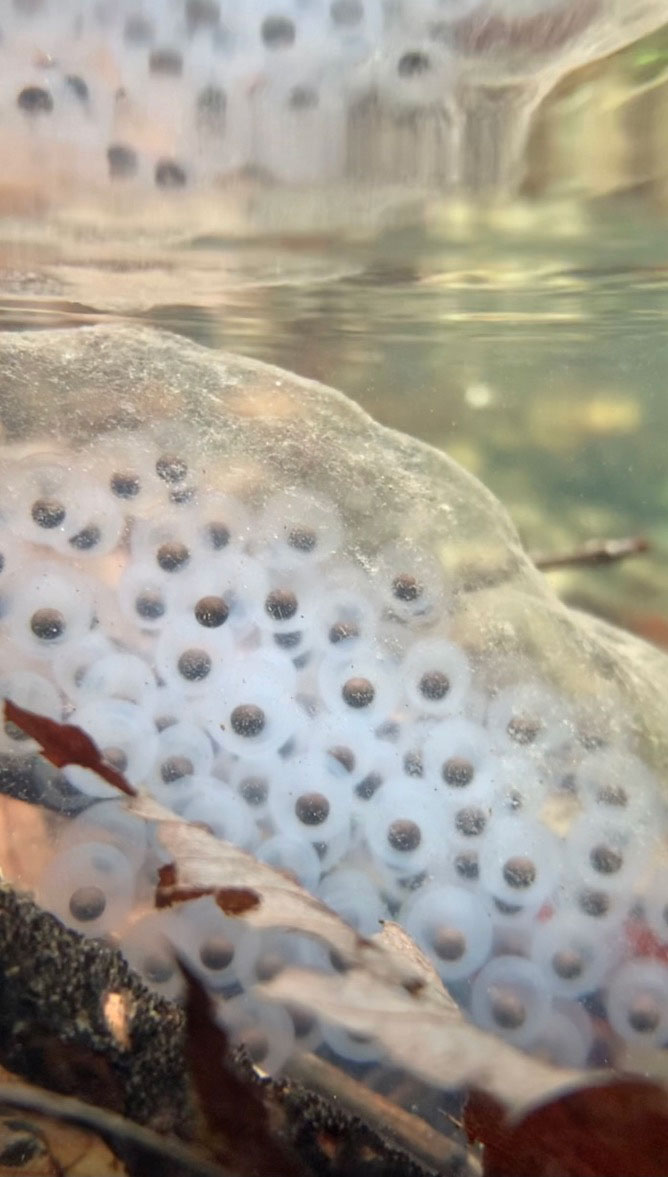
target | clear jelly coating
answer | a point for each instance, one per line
(342, 704)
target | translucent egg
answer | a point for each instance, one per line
(90, 887)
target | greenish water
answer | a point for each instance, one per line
(535, 355)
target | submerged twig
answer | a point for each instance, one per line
(594, 553)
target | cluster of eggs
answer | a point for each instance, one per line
(176, 94)
(241, 663)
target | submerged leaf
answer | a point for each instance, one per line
(604, 1131)
(236, 1116)
(64, 743)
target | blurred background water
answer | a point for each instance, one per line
(525, 336)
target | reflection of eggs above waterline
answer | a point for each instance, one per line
(147, 94)
(237, 661)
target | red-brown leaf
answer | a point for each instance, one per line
(619, 1129)
(64, 743)
(230, 900)
(236, 1116)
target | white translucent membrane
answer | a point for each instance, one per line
(253, 711)
(166, 707)
(608, 851)
(335, 746)
(144, 598)
(655, 905)
(210, 802)
(436, 677)
(605, 907)
(149, 945)
(404, 825)
(354, 1048)
(124, 735)
(410, 582)
(362, 686)
(90, 887)
(34, 693)
(371, 772)
(165, 540)
(191, 658)
(510, 997)
(47, 608)
(264, 957)
(223, 525)
(528, 716)
(353, 896)
(210, 941)
(94, 526)
(456, 758)
(253, 779)
(183, 751)
(637, 1002)
(72, 661)
(238, 581)
(616, 784)
(124, 464)
(118, 676)
(41, 494)
(520, 861)
(266, 1031)
(521, 788)
(453, 926)
(566, 1038)
(346, 614)
(298, 530)
(310, 803)
(293, 856)
(574, 956)
(108, 821)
